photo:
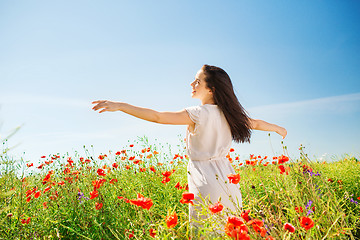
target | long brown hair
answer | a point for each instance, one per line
(219, 82)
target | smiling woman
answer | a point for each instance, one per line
(211, 128)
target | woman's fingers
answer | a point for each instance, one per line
(96, 107)
(103, 105)
(98, 101)
(284, 133)
(99, 104)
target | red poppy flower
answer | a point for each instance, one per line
(257, 225)
(231, 150)
(131, 235)
(27, 221)
(37, 194)
(299, 209)
(256, 222)
(152, 168)
(235, 220)
(306, 223)
(101, 172)
(166, 174)
(29, 164)
(131, 145)
(66, 171)
(29, 192)
(234, 178)
(98, 206)
(236, 228)
(187, 197)
(358, 198)
(282, 159)
(61, 183)
(289, 227)
(115, 165)
(94, 194)
(236, 232)
(47, 178)
(245, 215)
(152, 232)
(282, 168)
(40, 166)
(178, 186)
(98, 183)
(28, 199)
(143, 202)
(47, 189)
(137, 161)
(165, 180)
(218, 207)
(113, 181)
(171, 220)
(45, 205)
(70, 161)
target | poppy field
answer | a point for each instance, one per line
(140, 192)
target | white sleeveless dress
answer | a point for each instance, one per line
(208, 167)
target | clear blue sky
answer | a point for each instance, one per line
(292, 63)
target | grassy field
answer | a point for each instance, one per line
(140, 192)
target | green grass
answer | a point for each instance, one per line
(269, 195)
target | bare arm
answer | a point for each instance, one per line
(174, 118)
(257, 124)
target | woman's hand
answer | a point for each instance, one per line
(105, 105)
(281, 131)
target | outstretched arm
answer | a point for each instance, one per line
(174, 118)
(265, 126)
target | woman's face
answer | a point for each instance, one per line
(199, 87)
